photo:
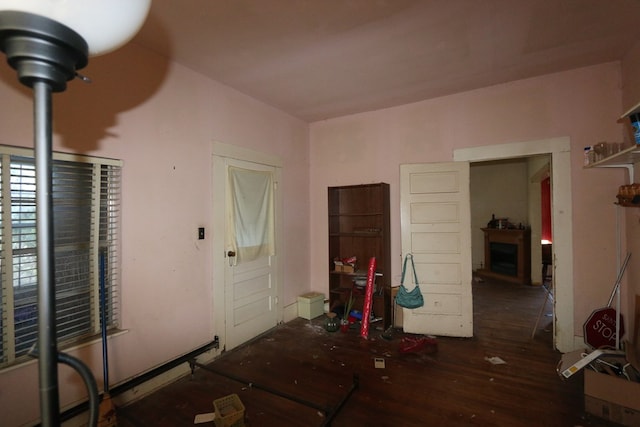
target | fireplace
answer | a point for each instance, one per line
(503, 258)
(507, 255)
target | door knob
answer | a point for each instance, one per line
(232, 258)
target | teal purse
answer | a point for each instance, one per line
(409, 298)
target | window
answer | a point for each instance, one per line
(86, 200)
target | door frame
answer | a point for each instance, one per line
(559, 149)
(221, 151)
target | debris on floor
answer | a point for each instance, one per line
(427, 344)
(495, 360)
(387, 334)
(204, 418)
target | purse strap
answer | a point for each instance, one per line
(404, 269)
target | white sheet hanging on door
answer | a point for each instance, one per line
(250, 218)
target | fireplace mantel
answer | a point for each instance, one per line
(517, 245)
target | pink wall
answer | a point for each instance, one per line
(582, 104)
(631, 97)
(161, 120)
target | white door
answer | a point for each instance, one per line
(436, 229)
(247, 299)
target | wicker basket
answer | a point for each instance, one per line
(229, 411)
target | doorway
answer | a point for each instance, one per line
(247, 227)
(559, 150)
(507, 194)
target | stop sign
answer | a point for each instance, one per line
(600, 328)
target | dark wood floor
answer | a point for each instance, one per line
(456, 386)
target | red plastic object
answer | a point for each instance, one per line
(416, 344)
(368, 299)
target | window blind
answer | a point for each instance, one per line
(86, 199)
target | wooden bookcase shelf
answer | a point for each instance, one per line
(359, 225)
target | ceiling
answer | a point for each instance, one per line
(319, 59)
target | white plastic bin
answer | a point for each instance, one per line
(311, 305)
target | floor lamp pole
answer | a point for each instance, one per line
(46, 54)
(47, 339)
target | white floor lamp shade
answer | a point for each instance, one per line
(104, 24)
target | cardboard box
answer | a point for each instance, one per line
(611, 412)
(345, 268)
(612, 398)
(311, 305)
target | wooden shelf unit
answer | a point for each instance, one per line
(359, 225)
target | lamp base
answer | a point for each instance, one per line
(41, 49)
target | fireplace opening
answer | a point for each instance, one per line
(504, 258)
(507, 255)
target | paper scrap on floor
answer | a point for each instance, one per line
(204, 418)
(495, 360)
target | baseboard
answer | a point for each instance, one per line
(145, 389)
(290, 312)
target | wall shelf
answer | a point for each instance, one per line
(634, 109)
(622, 159)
